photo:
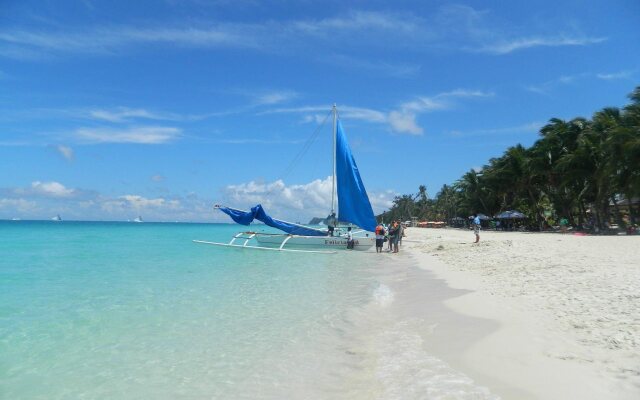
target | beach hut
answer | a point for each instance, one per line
(510, 218)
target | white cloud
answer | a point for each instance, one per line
(382, 201)
(509, 46)
(530, 127)
(404, 122)
(65, 151)
(456, 27)
(363, 114)
(292, 202)
(132, 204)
(298, 202)
(319, 113)
(18, 205)
(140, 135)
(548, 86)
(401, 120)
(615, 75)
(315, 195)
(360, 21)
(106, 40)
(275, 97)
(124, 114)
(44, 199)
(139, 202)
(51, 189)
(158, 178)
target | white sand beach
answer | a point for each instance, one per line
(557, 315)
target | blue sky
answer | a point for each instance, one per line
(114, 109)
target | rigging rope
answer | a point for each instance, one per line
(301, 153)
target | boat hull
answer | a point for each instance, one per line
(315, 242)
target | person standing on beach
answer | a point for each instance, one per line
(379, 238)
(563, 224)
(476, 226)
(399, 236)
(349, 239)
(394, 233)
(393, 230)
(331, 223)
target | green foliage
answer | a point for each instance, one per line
(578, 169)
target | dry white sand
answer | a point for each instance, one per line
(568, 308)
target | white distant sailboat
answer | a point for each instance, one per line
(349, 198)
(138, 219)
(57, 218)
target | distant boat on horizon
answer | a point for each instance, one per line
(57, 218)
(15, 219)
(138, 219)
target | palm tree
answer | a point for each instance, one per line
(558, 139)
(574, 165)
(447, 201)
(423, 202)
(473, 191)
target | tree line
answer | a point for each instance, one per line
(584, 170)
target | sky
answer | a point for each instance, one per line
(111, 110)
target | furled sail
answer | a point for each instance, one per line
(353, 202)
(257, 212)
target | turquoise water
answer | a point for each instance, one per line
(137, 311)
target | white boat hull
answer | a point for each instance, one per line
(315, 242)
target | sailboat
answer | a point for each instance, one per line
(348, 198)
(57, 218)
(138, 219)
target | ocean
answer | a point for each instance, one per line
(96, 310)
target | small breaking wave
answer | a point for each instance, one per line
(406, 371)
(383, 295)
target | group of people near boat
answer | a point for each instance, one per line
(392, 234)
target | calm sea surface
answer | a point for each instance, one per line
(137, 311)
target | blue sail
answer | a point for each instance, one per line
(353, 202)
(257, 212)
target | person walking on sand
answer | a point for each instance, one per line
(476, 226)
(379, 238)
(399, 236)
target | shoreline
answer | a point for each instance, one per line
(555, 328)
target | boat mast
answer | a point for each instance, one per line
(333, 181)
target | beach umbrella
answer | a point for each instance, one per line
(481, 216)
(511, 215)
